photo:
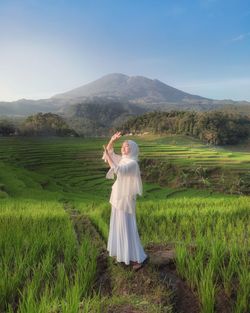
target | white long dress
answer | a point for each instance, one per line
(123, 239)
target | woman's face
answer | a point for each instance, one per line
(125, 149)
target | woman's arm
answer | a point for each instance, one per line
(115, 137)
(109, 149)
(108, 157)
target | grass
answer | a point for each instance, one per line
(45, 268)
(41, 260)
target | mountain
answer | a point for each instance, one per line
(135, 89)
(113, 98)
(148, 94)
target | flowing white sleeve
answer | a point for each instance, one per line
(115, 159)
(126, 169)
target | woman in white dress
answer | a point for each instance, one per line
(123, 240)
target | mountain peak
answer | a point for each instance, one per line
(115, 75)
(132, 94)
(136, 89)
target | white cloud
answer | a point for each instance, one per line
(240, 37)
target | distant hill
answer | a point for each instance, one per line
(95, 116)
(149, 94)
(135, 89)
(111, 99)
(25, 107)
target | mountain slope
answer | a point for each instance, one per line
(108, 101)
(136, 89)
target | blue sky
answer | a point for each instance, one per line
(52, 46)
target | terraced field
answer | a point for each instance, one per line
(191, 152)
(54, 221)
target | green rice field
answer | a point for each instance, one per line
(46, 265)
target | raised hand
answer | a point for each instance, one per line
(116, 136)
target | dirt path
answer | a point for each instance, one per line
(83, 226)
(163, 258)
(155, 285)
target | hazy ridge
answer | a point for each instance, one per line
(113, 98)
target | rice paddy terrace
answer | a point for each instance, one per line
(54, 219)
(192, 152)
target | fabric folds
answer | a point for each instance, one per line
(128, 181)
(123, 240)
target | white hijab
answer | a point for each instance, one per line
(134, 151)
(128, 182)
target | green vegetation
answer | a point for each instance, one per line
(47, 266)
(42, 263)
(94, 118)
(181, 161)
(6, 127)
(47, 124)
(218, 128)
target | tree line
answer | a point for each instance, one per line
(214, 127)
(40, 124)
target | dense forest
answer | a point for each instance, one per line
(95, 117)
(7, 127)
(47, 124)
(213, 127)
